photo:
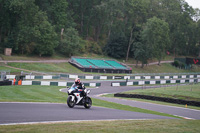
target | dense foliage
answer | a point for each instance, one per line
(139, 29)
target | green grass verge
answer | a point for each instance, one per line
(53, 95)
(187, 92)
(33, 58)
(163, 68)
(121, 126)
(32, 94)
(8, 69)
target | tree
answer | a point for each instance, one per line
(34, 34)
(198, 38)
(116, 46)
(156, 37)
(57, 12)
(46, 41)
(135, 14)
(141, 53)
(70, 44)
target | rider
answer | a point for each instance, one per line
(79, 85)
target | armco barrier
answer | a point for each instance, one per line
(51, 83)
(176, 76)
(153, 82)
(163, 99)
(91, 77)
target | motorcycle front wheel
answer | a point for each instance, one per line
(70, 103)
(88, 103)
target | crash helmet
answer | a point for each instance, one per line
(77, 81)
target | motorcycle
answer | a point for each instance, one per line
(77, 97)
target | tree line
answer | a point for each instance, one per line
(139, 29)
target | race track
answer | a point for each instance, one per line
(21, 113)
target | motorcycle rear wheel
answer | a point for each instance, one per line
(88, 103)
(70, 103)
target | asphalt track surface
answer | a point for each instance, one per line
(22, 113)
(12, 113)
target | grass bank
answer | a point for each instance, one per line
(47, 67)
(186, 92)
(33, 58)
(121, 126)
(68, 68)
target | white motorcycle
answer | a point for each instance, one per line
(78, 97)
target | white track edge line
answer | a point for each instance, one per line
(69, 121)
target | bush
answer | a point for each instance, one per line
(176, 64)
(182, 65)
(92, 47)
(179, 64)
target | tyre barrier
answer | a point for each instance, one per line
(162, 99)
(6, 82)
